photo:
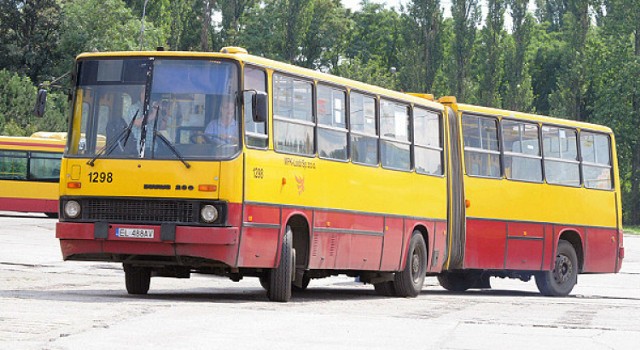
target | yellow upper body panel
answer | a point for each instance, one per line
(313, 182)
(151, 178)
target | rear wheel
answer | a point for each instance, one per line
(408, 282)
(280, 278)
(137, 279)
(560, 281)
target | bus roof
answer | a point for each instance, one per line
(239, 54)
(531, 117)
(31, 144)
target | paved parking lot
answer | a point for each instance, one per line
(46, 303)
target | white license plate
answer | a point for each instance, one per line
(135, 232)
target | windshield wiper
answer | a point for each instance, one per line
(116, 142)
(157, 135)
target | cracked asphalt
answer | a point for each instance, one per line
(46, 303)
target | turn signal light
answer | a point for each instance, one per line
(74, 184)
(207, 188)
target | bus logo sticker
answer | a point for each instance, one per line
(300, 181)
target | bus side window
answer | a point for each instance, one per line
(522, 158)
(13, 165)
(293, 122)
(561, 165)
(364, 134)
(395, 144)
(44, 166)
(427, 142)
(481, 148)
(332, 125)
(596, 160)
(255, 133)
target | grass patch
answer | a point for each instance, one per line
(632, 230)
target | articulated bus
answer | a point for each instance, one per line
(236, 165)
(30, 172)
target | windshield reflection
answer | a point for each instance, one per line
(187, 110)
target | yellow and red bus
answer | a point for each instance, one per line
(29, 173)
(542, 199)
(309, 175)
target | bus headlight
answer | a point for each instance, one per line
(209, 213)
(72, 209)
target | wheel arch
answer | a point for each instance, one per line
(299, 224)
(573, 237)
(424, 232)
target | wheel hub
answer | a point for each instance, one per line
(563, 269)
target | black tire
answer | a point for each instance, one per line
(408, 282)
(564, 276)
(280, 278)
(264, 281)
(457, 281)
(385, 289)
(137, 279)
(305, 283)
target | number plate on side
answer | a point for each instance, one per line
(135, 232)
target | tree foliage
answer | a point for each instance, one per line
(568, 58)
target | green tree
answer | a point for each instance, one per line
(466, 17)
(490, 56)
(17, 99)
(104, 25)
(569, 99)
(546, 63)
(518, 90)
(617, 97)
(375, 35)
(422, 55)
(323, 41)
(232, 12)
(374, 72)
(29, 35)
(552, 12)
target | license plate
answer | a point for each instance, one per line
(135, 232)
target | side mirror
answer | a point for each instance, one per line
(260, 105)
(41, 103)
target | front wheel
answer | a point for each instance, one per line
(280, 278)
(408, 282)
(137, 279)
(560, 281)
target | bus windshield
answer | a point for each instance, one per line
(156, 108)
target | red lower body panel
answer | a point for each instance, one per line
(530, 246)
(29, 205)
(219, 244)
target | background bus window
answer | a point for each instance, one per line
(364, 135)
(561, 164)
(428, 143)
(596, 160)
(255, 133)
(522, 158)
(13, 165)
(481, 148)
(394, 134)
(332, 125)
(293, 115)
(44, 166)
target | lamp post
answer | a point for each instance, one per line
(144, 10)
